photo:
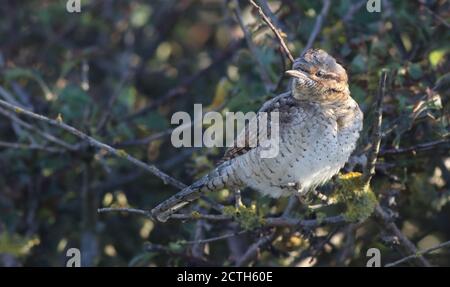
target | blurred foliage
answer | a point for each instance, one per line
(118, 71)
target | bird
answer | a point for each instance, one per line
(319, 126)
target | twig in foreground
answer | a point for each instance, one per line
(282, 221)
(274, 30)
(217, 238)
(93, 142)
(254, 249)
(125, 209)
(268, 83)
(30, 147)
(404, 241)
(41, 133)
(419, 253)
(414, 149)
(375, 139)
(369, 171)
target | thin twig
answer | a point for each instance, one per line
(198, 247)
(318, 25)
(387, 223)
(274, 30)
(200, 216)
(282, 221)
(111, 101)
(255, 248)
(369, 170)
(178, 216)
(30, 147)
(416, 148)
(272, 15)
(93, 142)
(217, 238)
(306, 223)
(351, 11)
(125, 209)
(439, 18)
(254, 51)
(33, 129)
(420, 253)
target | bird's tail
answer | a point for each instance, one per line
(213, 181)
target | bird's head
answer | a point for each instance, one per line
(317, 76)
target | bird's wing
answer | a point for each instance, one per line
(242, 143)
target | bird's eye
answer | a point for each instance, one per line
(320, 73)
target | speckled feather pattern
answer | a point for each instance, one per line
(319, 125)
(315, 142)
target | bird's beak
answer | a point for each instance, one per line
(295, 74)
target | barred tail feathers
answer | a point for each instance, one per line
(213, 181)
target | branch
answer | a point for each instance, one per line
(439, 18)
(254, 51)
(30, 147)
(254, 249)
(43, 134)
(375, 140)
(179, 216)
(369, 171)
(387, 223)
(318, 25)
(352, 10)
(125, 77)
(282, 221)
(306, 223)
(274, 30)
(217, 238)
(93, 142)
(416, 148)
(420, 253)
(125, 209)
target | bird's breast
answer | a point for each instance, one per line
(311, 150)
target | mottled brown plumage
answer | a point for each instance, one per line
(319, 124)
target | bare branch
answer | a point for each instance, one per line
(352, 10)
(306, 223)
(387, 223)
(254, 51)
(125, 209)
(375, 140)
(217, 238)
(30, 147)
(416, 148)
(125, 77)
(255, 248)
(43, 134)
(420, 253)
(93, 142)
(435, 15)
(200, 216)
(274, 30)
(369, 170)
